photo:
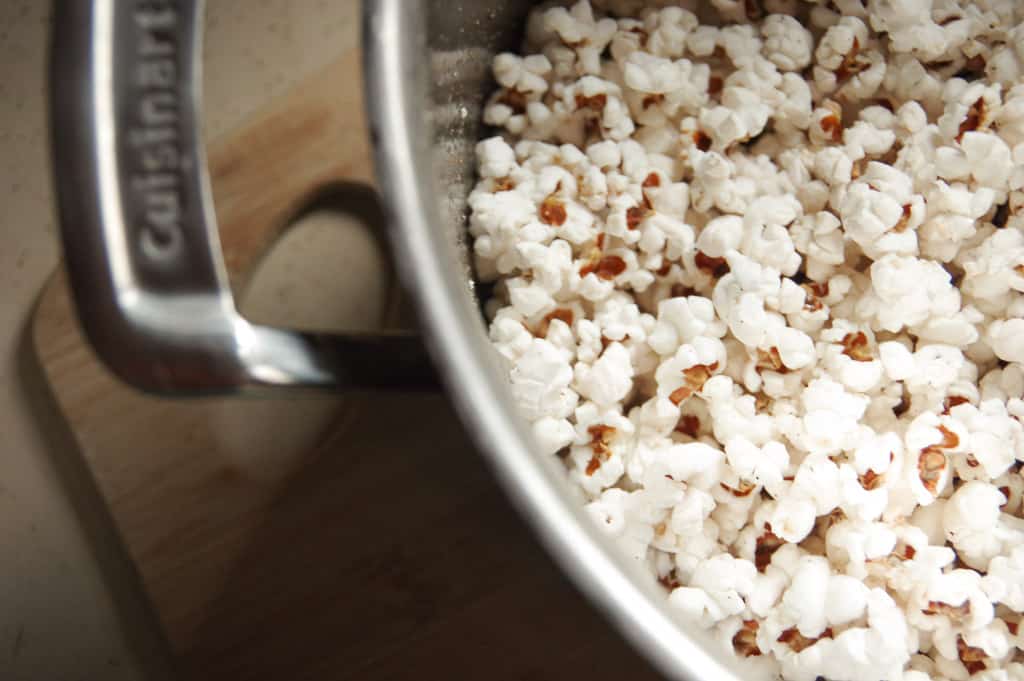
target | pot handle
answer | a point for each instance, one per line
(136, 217)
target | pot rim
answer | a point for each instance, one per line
(394, 46)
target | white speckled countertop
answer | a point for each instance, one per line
(59, 617)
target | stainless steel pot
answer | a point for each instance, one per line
(151, 291)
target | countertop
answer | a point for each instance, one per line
(60, 615)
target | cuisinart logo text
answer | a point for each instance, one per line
(153, 137)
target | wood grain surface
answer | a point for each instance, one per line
(316, 538)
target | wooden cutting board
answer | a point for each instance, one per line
(317, 537)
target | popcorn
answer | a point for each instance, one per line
(733, 414)
(793, 518)
(686, 373)
(951, 606)
(766, 237)
(1007, 341)
(649, 74)
(802, 601)
(845, 37)
(819, 237)
(609, 511)
(993, 641)
(1004, 582)
(674, 24)
(714, 184)
(843, 63)
(787, 44)
(855, 543)
(888, 16)
(936, 368)
(862, 496)
(540, 382)
(726, 580)
(845, 601)
(721, 235)
(693, 462)
(909, 80)
(906, 291)
(602, 444)
(740, 43)
(497, 158)
(864, 138)
(989, 158)
(698, 607)
(990, 269)
(681, 320)
(994, 440)
(608, 380)
(953, 213)
(696, 549)
(968, 107)
(690, 514)
(762, 465)
(1011, 485)
(880, 212)
(759, 284)
(848, 356)
(830, 416)
(577, 29)
(625, 517)
(741, 117)
(972, 523)
(619, 318)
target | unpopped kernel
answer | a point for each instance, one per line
(759, 284)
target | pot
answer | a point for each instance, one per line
(150, 286)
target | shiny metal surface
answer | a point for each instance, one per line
(151, 291)
(137, 221)
(410, 138)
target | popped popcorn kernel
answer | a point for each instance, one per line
(745, 640)
(552, 212)
(758, 279)
(767, 544)
(797, 642)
